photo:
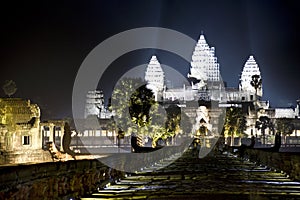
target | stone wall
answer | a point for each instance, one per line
(28, 156)
(289, 163)
(54, 180)
(74, 178)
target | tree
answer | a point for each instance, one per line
(156, 127)
(235, 123)
(256, 82)
(9, 87)
(140, 103)
(121, 101)
(242, 124)
(136, 111)
(285, 127)
(173, 120)
(262, 124)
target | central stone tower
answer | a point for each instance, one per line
(204, 65)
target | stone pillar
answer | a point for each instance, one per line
(42, 135)
(62, 132)
(8, 141)
(51, 129)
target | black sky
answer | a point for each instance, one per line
(43, 43)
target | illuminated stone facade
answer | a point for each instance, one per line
(250, 68)
(207, 85)
(204, 65)
(20, 138)
(155, 76)
(95, 105)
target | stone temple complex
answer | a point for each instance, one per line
(23, 138)
(205, 79)
(206, 85)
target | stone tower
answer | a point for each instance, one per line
(94, 103)
(204, 65)
(155, 76)
(250, 68)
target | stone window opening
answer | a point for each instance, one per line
(26, 140)
(251, 97)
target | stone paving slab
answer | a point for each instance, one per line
(221, 176)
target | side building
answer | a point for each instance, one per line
(20, 138)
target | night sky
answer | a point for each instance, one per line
(44, 43)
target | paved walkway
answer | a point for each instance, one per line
(213, 177)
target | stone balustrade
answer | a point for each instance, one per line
(288, 163)
(54, 180)
(71, 179)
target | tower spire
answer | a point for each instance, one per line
(204, 65)
(250, 68)
(154, 74)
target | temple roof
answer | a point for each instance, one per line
(17, 110)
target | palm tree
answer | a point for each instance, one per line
(256, 82)
(263, 123)
(235, 123)
(285, 127)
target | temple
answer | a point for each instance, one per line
(206, 85)
(206, 97)
(23, 138)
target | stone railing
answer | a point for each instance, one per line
(71, 179)
(134, 162)
(288, 163)
(54, 180)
